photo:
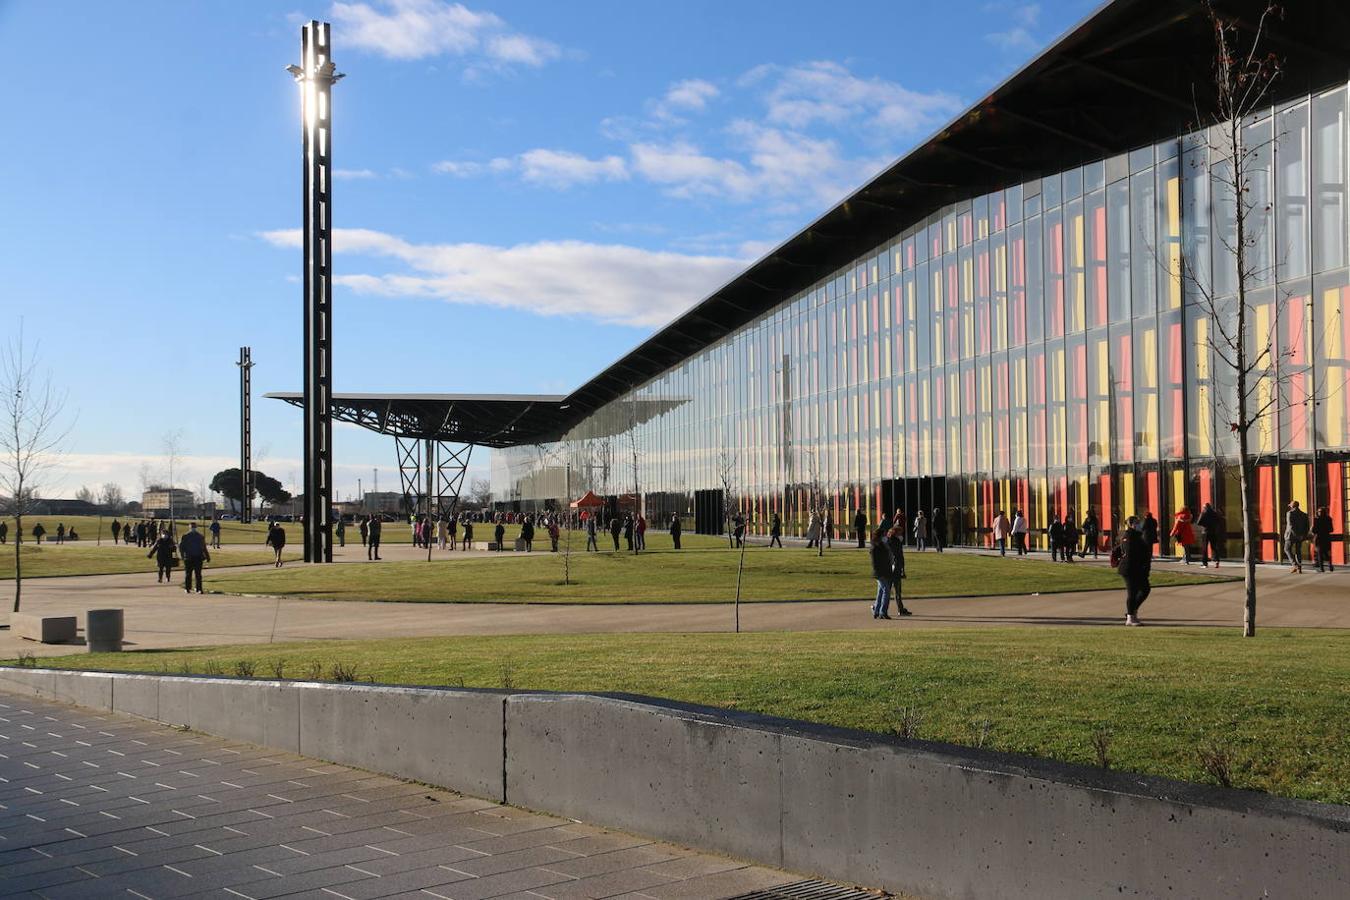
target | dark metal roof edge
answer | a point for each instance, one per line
(494, 398)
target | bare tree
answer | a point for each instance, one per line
(172, 443)
(815, 492)
(85, 494)
(726, 475)
(1243, 77)
(635, 456)
(31, 439)
(480, 489)
(110, 496)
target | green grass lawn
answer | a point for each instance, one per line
(49, 562)
(698, 576)
(1276, 703)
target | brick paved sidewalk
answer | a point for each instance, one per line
(103, 806)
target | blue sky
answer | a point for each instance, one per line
(526, 189)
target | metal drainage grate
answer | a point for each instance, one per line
(808, 890)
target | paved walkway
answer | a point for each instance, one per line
(163, 616)
(101, 806)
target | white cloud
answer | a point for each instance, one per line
(688, 96)
(609, 282)
(560, 168)
(826, 92)
(353, 174)
(1019, 35)
(417, 29)
(552, 168)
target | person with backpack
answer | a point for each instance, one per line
(883, 570)
(776, 531)
(1214, 527)
(1092, 533)
(1132, 558)
(276, 539)
(1055, 534)
(1295, 533)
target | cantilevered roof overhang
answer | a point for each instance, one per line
(487, 420)
(1132, 73)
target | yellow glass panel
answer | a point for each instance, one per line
(1178, 490)
(1298, 485)
(1332, 342)
(1079, 274)
(1126, 494)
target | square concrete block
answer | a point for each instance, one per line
(43, 629)
(650, 769)
(452, 739)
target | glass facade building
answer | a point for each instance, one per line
(1045, 347)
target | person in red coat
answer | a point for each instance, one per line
(1183, 532)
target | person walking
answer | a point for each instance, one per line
(468, 534)
(1070, 537)
(452, 530)
(373, 528)
(499, 535)
(1019, 532)
(38, 532)
(628, 533)
(1055, 533)
(1321, 537)
(552, 528)
(1002, 528)
(193, 550)
(1134, 558)
(615, 528)
(812, 530)
(1149, 529)
(920, 530)
(1184, 534)
(60, 532)
(1092, 534)
(895, 542)
(215, 533)
(640, 532)
(1212, 524)
(938, 528)
(675, 528)
(341, 529)
(591, 544)
(165, 556)
(116, 531)
(364, 528)
(738, 523)
(527, 533)
(126, 532)
(776, 531)
(442, 532)
(883, 570)
(1295, 533)
(276, 539)
(827, 528)
(4, 532)
(860, 527)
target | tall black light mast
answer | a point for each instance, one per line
(316, 75)
(245, 365)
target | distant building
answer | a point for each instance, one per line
(384, 501)
(159, 503)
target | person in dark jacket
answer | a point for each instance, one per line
(364, 528)
(126, 533)
(468, 535)
(895, 542)
(4, 532)
(628, 533)
(860, 528)
(1055, 534)
(1321, 535)
(776, 531)
(276, 539)
(937, 525)
(527, 533)
(1295, 533)
(164, 553)
(373, 529)
(615, 529)
(499, 535)
(675, 528)
(1149, 529)
(883, 571)
(38, 532)
(1136, 558)
(1092, 532)
(193, 550)
(116, 530)
(1214, 527)
(738, 529)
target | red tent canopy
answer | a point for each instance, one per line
(587, 501)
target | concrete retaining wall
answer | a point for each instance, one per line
(928, 819)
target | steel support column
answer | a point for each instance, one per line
(245, 365)
(409, 453)
(316, 74)
(451, 466)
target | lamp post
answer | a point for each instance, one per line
(316, 75)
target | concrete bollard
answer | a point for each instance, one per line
(103, 630)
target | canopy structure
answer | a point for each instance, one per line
(587, 501)
(484, 420)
